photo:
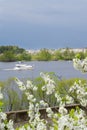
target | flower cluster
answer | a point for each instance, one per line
(49, 86)
(4, 124)
(61, 119)
(80, 65)
(79, 91)
(74, 120)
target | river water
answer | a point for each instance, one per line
(63, 69)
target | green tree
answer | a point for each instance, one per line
(57, 55)
(43, 55)
(85, 54)
(81, 55)
(24, 56)
(68, 54)
(8, 56)
(14, 49)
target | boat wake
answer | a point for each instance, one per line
(21, 66)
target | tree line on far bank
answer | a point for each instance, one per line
(14, 53)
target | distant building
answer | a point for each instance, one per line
(61, 50)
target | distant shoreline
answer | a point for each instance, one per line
(14, 53)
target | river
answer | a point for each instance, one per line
(63, 69)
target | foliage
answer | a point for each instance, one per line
(62, 119)
(13, 99)
(43, 55)
(14, 49)
(14, 53)
(24, 57)
(9, 89)
(10, 53)
(80, 65)
(57, 55)
(8, 56)
(64, 55)
(68, 55)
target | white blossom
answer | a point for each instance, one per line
(3, 116)
(1, 95)
(62, 110)
(80, 65)
(10, 125)
(41, 126)
(43, 103)
(20, 84)
(49, 112)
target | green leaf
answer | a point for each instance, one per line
(1, 103)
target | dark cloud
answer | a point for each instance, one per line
(41, 11)
(43, 22)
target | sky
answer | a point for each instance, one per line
(37, 24)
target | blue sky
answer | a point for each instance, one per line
(36, 24)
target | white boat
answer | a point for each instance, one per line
(22, 66)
